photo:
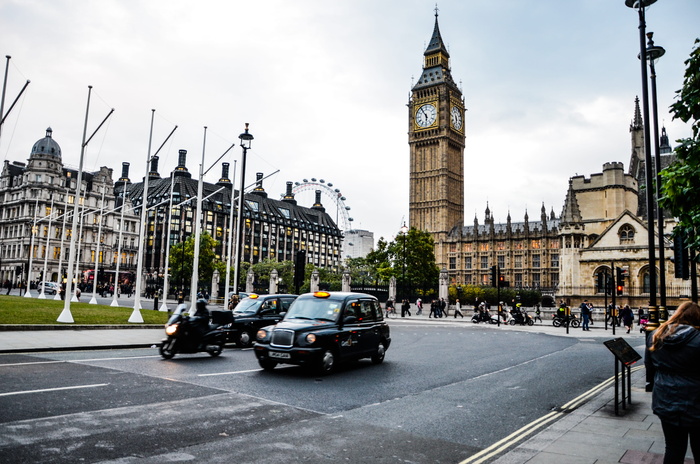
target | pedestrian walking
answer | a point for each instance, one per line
(585, 315)
(443, 308)
(458, 309)
(640, 313)
(627, 317)
(419, 307)
(405, 308)
(537, 313)
(673, 353)
(434, 308)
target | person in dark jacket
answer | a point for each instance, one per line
(674, 355)
(627, 317)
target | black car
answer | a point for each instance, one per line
(322, 329)
(254, 312)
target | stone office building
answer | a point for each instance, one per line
(34, 197)
(272, 229)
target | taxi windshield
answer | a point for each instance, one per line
(248, 306)
(322, 309)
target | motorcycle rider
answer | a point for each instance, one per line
(200, 318)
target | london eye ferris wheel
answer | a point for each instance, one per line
(342, 216)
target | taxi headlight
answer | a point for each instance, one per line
(262, 334)
(172, 329)
(310, 338)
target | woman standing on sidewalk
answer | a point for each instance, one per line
(674, 352)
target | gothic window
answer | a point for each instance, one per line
(501, 261)
(453, 262)
(535, 244)
(535, 260)
(518, 261)
(468, 262)
(626, 234)
(484, 262)
(555, 260)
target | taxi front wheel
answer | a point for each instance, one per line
(327, 363)
(267, 364)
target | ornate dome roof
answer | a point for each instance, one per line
(47, 146)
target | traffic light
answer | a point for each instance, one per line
(501, 280)
(680, 256)
(620, 279)
(494, 276)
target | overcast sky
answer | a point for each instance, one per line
(549, 88)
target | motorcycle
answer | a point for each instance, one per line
(483, 316)
(193, 334)
(521, 317)
(561, 320)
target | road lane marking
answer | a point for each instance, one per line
(30, 363)
(77, 360)
(229, 373)
(529, 429)
(44, 390)
(241, 372)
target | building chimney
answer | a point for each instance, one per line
(259, 190)
(317, 204)
(181, 168)
(289, 196)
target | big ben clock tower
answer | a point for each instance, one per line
(436, 140)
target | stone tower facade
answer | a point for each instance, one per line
(436, 137)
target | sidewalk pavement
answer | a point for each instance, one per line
(591, 434)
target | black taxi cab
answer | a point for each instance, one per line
(322, 329)
(253, 312)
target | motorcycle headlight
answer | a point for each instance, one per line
(262, 334)
(172, 329)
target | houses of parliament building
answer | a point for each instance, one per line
(602, 223)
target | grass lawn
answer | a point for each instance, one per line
(20, 310)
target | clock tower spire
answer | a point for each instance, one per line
(436, 136)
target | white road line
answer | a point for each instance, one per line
(77, 360)
(30, 363)
(229, 373)
(44, 390)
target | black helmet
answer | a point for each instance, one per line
(201, 305)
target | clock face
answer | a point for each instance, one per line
(456, 118)
(426, 115)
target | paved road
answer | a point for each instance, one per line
(444, 392)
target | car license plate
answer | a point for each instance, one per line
(278, 355)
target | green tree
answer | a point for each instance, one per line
(680, 182)
(413, 260)
(379, 262)
(182, 258)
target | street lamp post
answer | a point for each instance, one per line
(653, 53)
(404, 231)
(640, 6)
(31, 249)
(246, 139)
(42, 295)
